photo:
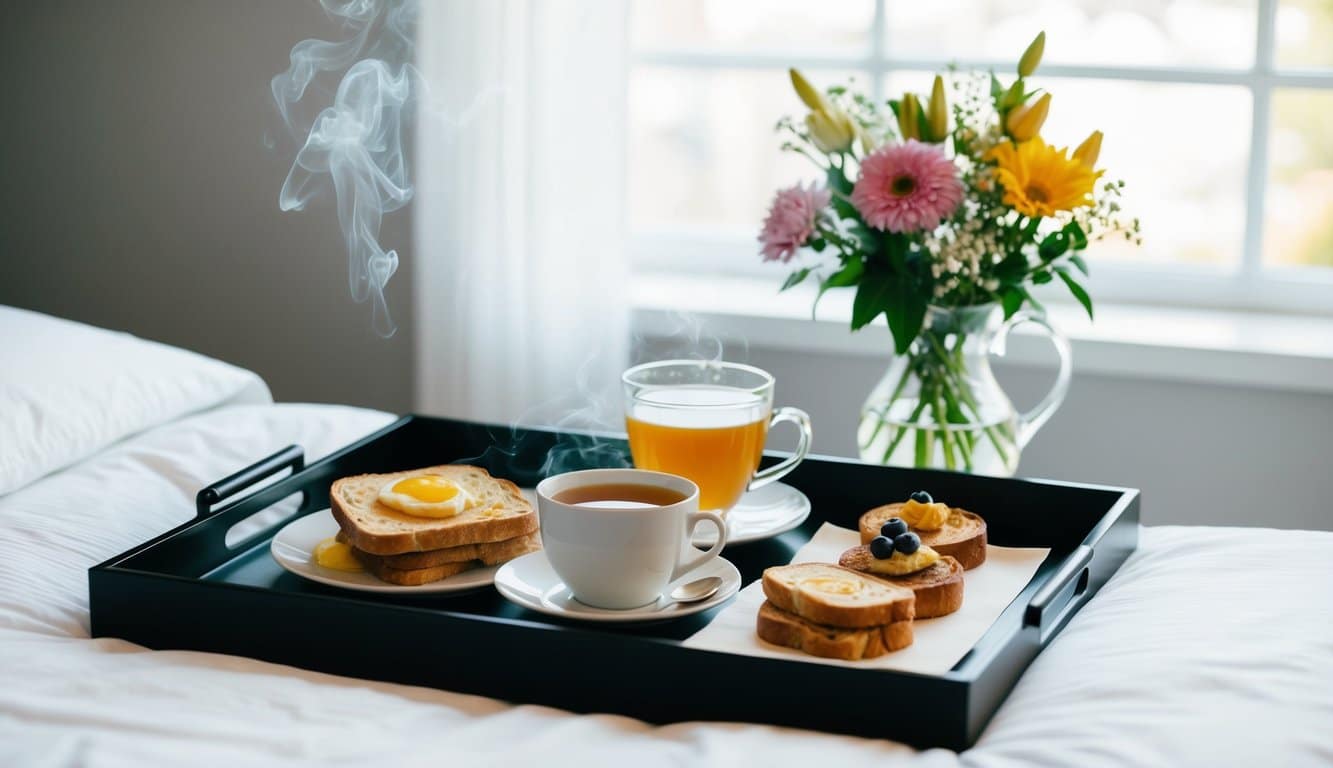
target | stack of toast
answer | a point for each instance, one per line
(834, 612)
(909, 566)
(408, 550)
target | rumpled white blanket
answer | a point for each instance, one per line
(1212, 647)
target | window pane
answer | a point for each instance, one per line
(780, 25)
(1218, 33)
(1181, 149)
(1305, 34)
(1298, 224)
(703, 153)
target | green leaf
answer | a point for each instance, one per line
(817, 245)
(996, 90)
(795, 279)
(847, 276)
(896, 245)
(838, 181)
(1078, 240)
(1053, 245)
(1012, 300)
(1079, 291)
(1078, 263)
(867, 237)
(1037, 305)
(1041, 278)
(844, 209)
(1012, 268)
(906, 312)
(1030, 229)
(877, 290)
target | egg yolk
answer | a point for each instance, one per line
(431, 489)
(334, 554)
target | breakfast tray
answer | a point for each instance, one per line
(198, 588)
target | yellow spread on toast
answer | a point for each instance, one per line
(331, 553)
(901, 565)
(831, 585)
(926, 517)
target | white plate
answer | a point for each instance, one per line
(768, 511)
(531, 582)
(294, 546)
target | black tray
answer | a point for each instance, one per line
(188, 589)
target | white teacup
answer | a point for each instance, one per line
(622, 557)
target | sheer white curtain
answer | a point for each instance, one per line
(520, 269)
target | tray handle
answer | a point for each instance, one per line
(1059, 596)
(292, 456)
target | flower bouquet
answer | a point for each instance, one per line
(942, 213)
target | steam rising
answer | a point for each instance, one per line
(356, 143)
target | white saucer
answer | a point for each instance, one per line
(775, 508)
(531, 582)
(294, 546)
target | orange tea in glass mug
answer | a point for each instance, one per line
(707, 421)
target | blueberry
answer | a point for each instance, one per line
(893, 528)
(907, 543)
(881, 547)
(921, 497)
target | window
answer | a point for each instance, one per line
(1217, 113)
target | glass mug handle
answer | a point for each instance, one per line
(801, 419)
(1030, 422)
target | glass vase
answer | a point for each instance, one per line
(939, 405)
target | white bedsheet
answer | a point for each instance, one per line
(1211, 647)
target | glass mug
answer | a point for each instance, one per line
(707, 421)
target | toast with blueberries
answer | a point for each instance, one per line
(947, 530)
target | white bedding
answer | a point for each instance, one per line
(1211, 647)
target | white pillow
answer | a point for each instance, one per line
(68, 390)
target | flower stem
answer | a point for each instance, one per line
(902, 431)
(883, 416)
(997, 435)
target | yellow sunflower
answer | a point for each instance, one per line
(1039, 179)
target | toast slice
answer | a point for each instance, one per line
(488, 552)
(837, 597)
(780, 627)
(502, 513)
(938, 588)
(410, 577)
(963, 536)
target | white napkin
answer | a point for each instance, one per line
(939, 643)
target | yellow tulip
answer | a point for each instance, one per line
(937, 112)
(909, 111)
(812, 98)
(1088, 151)
(831, 130)
(1032, 56)
(1025, 122)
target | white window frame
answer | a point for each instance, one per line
(1248, 285)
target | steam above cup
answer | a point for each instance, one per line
(616, 554)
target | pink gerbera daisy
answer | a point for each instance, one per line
(791, 220)
(907, 187)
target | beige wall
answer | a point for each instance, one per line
(136, 192)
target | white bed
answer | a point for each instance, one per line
(1210, 647)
